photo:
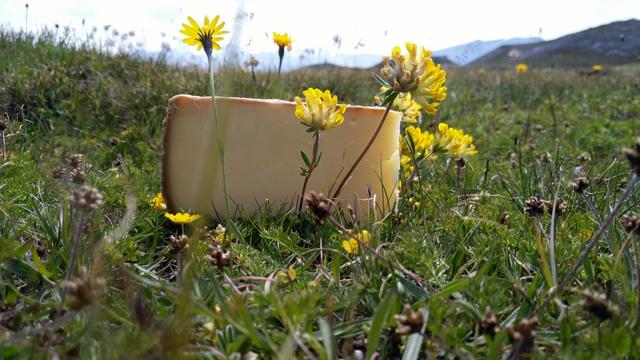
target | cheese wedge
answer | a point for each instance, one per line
(262, 142)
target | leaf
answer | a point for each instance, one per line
(380, 316)
(389, 98)
(413, 346)
(37, 263)
(327, 338)
(305, 158)
(453, 287)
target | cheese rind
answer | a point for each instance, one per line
(262, 142)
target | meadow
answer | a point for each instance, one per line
(482, 259)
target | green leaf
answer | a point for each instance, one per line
(37, 263)
(305, 158)
(453, 287)
(380, 316)
(389, 98)
(413, 346)
(327, 338)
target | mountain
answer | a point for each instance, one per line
(614, 43)
(466, 53)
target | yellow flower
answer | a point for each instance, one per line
(522, 68)
(454, 142)
(205, 36)
(158, 202)
(416, 73)
(352, 246)
(282, 40)
(182, 218)
(422, 140)
(319, 109)
(407, 166)
(404, 103)
(596, 68)
(293, 274)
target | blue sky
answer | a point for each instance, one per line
(375, 25)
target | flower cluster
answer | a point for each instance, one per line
(352, 246)
(404, 103)
(417, 74)
(320, 110)
(454, 142)
(206, 36)
(158, 203)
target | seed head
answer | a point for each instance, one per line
(318, 205)
(489, 324)
(86, 199)
(579, 184)
(75, 160)
(410, 321)
(179, 243)
(534, 206)
(631, 224)
(633, 155)
(83, 290)
(561, 206)
(523, 333)
(597, 304)
(58, 172)
(218, 256)
(78, 176)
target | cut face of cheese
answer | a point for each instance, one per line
(262, 143)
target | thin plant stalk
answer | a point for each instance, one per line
(366, 148)
(594, 240)
(281, 55)
(3, 146)
(312, 166)
(552, 237)
(220, 144)
(76, 237)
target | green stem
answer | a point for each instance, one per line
(366, 148)
(219, 138)
(314, 160)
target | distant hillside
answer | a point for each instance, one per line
(615, 43)
(466, 53)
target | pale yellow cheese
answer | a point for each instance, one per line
(262, 142)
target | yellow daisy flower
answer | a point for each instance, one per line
(522, 68)
(182, 218)
(415, 73)
(596, 68)
(282, 40)
(320, 110)
(206, 36)
(158, 202)
(352, 246)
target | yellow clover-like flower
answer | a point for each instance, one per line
(206, 36)
(416, 73)
(423, 141)
(404, 103)
(522, 68)
(182, 218)
(158, 202)
(352, 246)
(596, 68)
(282, 40)
(454, 142)
(320, 110)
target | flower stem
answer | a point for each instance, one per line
(366, 148)
(219, 138)
(281, 55)
(312, 166)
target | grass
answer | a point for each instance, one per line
(467, 247)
